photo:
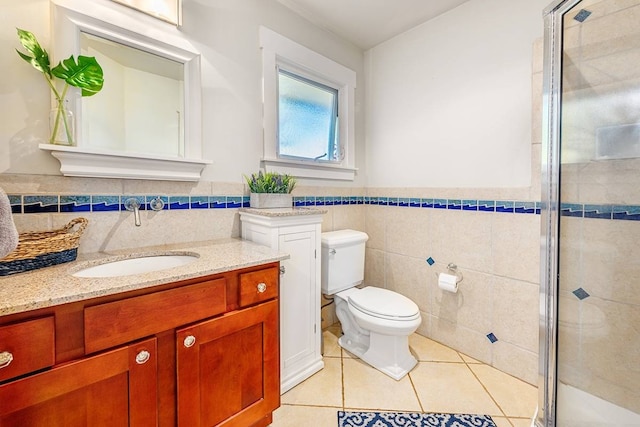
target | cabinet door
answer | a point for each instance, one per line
(300, 303)
(115, 388)
(228, 368)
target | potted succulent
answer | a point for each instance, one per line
(85, 73)
(270, 190)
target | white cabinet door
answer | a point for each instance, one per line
(298, 301)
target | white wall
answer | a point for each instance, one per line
(449, 102)
(226, 34)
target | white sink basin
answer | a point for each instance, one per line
(138, 265)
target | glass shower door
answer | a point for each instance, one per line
(596, 294)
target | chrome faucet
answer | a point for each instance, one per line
(132, 204)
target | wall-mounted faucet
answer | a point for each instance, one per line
(132, 204)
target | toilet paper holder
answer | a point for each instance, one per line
(453, 269)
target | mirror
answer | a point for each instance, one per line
(143, 108)
(146, 121)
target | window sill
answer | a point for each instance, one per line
(310, 170)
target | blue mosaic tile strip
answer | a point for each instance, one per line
(15, 201)
(178, 202)
(469, 205)
(164, 199)
(234, 202)
(140, 200)
(504, 206)
(581, 293)
(430, 261)
(40, 204)
(628, 213)
(75, 203)
(105, 203)
(598, 211)
(440, 203)
(487, 205)
(571, 209)
(492, 337)
(218, 202)
(524, 207)
(454, 204)
(199, 202)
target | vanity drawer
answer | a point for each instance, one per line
(26, 347)
(258, 286)
(110, 324)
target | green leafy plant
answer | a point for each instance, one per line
(85, 73)
(270, 182)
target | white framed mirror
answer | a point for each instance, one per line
(146, 122)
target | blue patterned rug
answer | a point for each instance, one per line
(411, 419)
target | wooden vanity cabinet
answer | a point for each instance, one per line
(202, 352)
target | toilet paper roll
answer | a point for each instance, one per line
(448, 282)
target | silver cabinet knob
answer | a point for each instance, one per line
(5, 359)
(189, 341)
(262, 287)
(143, 357)
(282, 270)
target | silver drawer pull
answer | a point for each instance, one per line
(282, 270)
(5, 359)
(262, 287)
(143, 357)
(189, 341)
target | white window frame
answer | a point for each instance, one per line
(277, 51)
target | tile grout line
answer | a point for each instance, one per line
(342, 376)
(415, 391)
(485, 389)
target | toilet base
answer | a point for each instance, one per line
(388, 354)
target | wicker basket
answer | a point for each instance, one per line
(43, 249)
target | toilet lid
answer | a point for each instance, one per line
(384, 304)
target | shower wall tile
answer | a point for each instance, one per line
(374, 268)
(463, 339)
(470, 307)
(407, 231)
(516, 246)
(464, 238)
(515, 319)
(375, 221)
(516, 361)
(408, 276)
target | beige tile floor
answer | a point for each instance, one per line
(444, 381)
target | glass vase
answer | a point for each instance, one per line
(62, 124)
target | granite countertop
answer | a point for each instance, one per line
(56, 285)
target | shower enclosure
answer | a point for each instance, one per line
(590, 263)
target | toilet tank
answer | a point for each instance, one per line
(342, 260)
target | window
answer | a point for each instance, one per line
(308, 111)
(307, 117)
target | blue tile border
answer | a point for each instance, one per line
(49, 203)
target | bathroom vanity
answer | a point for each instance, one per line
(200, 347)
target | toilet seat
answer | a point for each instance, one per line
(384, 304)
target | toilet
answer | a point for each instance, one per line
(376, 323)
